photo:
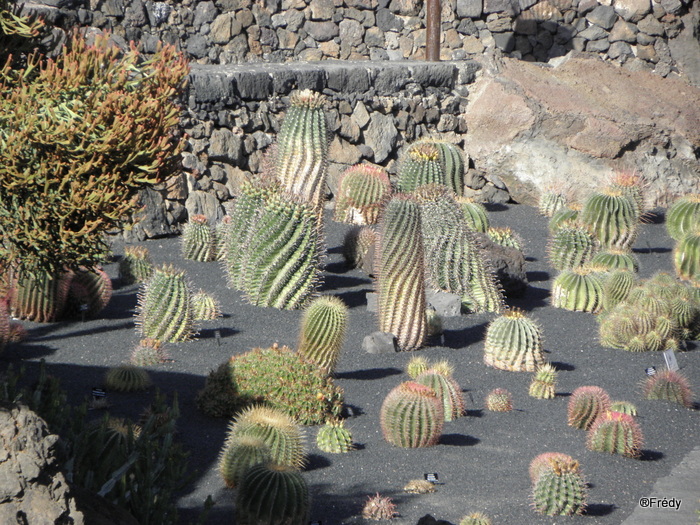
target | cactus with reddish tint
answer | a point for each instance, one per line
(89, 291)
(440, 378)
(416, 366)
(359, 248)
(420, 164)
(148, 352)
(578, 290)
(412, 416)
(514, 342)
(499, 400)
(334, 438)
(272, 494)
(570, 246)
(560, 489)
(544, 462)
(322, 332)
(671, 386)
(683, 216)
(586, 404)
(198, 239)
(400, 273)
(615, 433)
(362, 191)
(239, 455)
(379, 508)
(475, 214)
(136, 265)
(543, 382)
(612, 216)
(127, 378)
(41, 298)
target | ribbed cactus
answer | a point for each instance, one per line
(570, 246)
(617, 285)
(578, 290)
(272, 494)
(560, 489)
(400, 273)
(322, 332)
(632, 186)
(277, 430)
(671, 386)
(475, 518)
(362, 191)
(616, 259)
(334, 438)
(623, 407)
(615, 433)
(127, 378)
(420, 164)
(440, 378)
(475, 214)
(136, 265)
(379, 508)
(205, 307)
(505, 236)
(452, 160)
(550, 202)
(586, 404)
(198, 240)
(41, 298)
(563, 216)
(514, 342)
(148, 352)
(499, 400)
(544, 462)
(238, 455)
(282, 252)
(221, 233)
(686, 257)
(302, 148)
(359, 247)
(485, 293)
(612, 217)
(416, 366)
(90, 291)
(164, 309)
(683, 216)
(543, 382)
(412, 416)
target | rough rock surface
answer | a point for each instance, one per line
(571, 125)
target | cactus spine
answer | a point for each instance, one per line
(412, 416)
(322, 331)
(400, 273)
(302, 149)
(550, 202)
(586, 404)
(615, 433)
(499, 400)
(136, 265)
(272, 494)
(198, 239)
(439, 378)
(544, 382)
(420, 164)
(560, 489)
(670, 386)
(612, 217)
(164, 309)
(683, 216)
(475, 214)
(362, 190)
(205, 307)
(239, 455)
(578, 290)
(514, 342)
(379, 508)
(334, 438)
(570, 246)
(543, 462)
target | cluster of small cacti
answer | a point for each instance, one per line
(586, 404)
(127, 378)
(379, 508)
(322, 331)
(412, 416)
(615, 433)
(558, 486)
(669, 385)
(543, 382)
(499, 400)
(514, 342)
(334, 438)
(198, 241)
(362, 191)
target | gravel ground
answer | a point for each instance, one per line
(482, 459)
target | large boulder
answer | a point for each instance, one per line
(573, 124)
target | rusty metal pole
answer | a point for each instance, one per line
(432, 29)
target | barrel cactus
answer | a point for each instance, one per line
(560, 489)
(505, 236)
(136, 265)
(475, 518)
(400, 273)
(420, 164)
(416, 366)
(550, 202)
(379, 508)
(334, 438)
(570, 246)
(205, 306)
(563, 216)
(514, 342)
(578, 290)
(617, 285)
(616, 259)
(271, 494)
(615, 433)
(475, 214)
(362, 191)
(586, 404)
(683, 216)
(41, 298)
(686, 257)
(322, 333)
(127, 378)
(669, 385)
(612, 216)
(451, 158)
(412, 416)
(164, 309)
(198, 241)
(148, 352)
(359, 248)
(90, 291)
(544, 461)
(543, 382)
(499, 400)
(237, 456)
(624, 407)
(440, 378)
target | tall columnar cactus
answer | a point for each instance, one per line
(136, 266)
(613, 218)
(560, 489)
(514, 342)
(282, 252)
(239, 455)
(302, 148)
(41, 298)
(686, 257)
(683, 216)
(578, 290)
(616, 259)
(272, 494)
(412, 416)
(671, 386)
(334, 438)
(198, 239)
(440, 378)
(164, 309)
(586, 404)
(420, 164)
(322, 333)
(615, 433)
(452, 159)
(282, 435)
(89, 291)
(400, 273)
(475, 214)
(543, 382)
(362, 190)
(550, 202)
(570, 246)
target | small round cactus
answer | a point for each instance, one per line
(543, 382)
(412, 416)
(205, 307)
(475, 518)
(546, 460)
(560, 489)
(514, 342)
(148, 352)
(198, 239)
(499, 400)
(505, 237)
(420, 164)
(616, 259)
(378, 508)
(615, 433)
(586, 404)
(127, 378)
(570, 246)
(239, 455)
(670, 386)
(416, 366)
(362, 190)
(136, 265)
(612, 216)
(334, 438)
